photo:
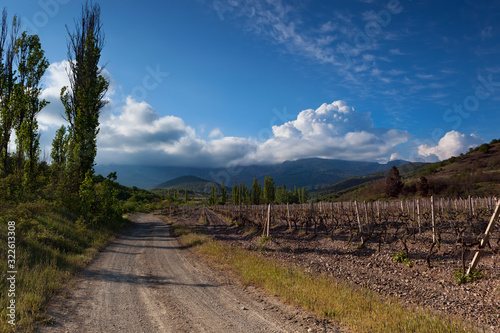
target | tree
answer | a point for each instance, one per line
(31, 66)
(213, 199)
(236, 195)
(256, 192)
(423, 186)
(223, 193)
(244, 196)
(303, 195)
(7, 79)
(269, 194)
(393, 183)
(59, 150)
(84, 98)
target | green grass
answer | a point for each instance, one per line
(359, 309)
(51, 246)
(402, 257)
(461, 278)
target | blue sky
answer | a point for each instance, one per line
(215, 83)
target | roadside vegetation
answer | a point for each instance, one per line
(356, 308)
(54, 218)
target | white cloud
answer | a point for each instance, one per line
(133, 132)
(139, 135)
(216, 133)
(333, 130)
(451, 144)
(396, 52)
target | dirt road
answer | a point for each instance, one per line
(144, 282)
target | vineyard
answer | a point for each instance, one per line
(417, 250)
(457, 224)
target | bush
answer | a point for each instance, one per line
(483, 148)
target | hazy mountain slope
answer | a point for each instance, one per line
(313, 173)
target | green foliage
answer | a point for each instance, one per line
(269, 193)
(31, 65)
(484, 148)
(236, 195)
(461, 278)
(213, 199)
(402, 257)
(52, 245)
(284, 196)
(256, 192)
(98, 201)
(303, 195)
(265, 239)
(393, 183)
(223, 193)
(423, 187)
(59, 150)
(85, 98)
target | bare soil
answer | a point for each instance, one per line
(432, 288)
(145, 282)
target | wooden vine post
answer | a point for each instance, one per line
(288, 216)
(433, 215)
(313, 217)
(359, 222)
(268, 227)
(418, 217)
(486, 237)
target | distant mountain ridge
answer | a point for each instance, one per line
(312, 173)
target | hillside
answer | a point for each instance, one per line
(190, 183)
(476, 173)
(350, 183)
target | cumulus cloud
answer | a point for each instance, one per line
(333, 130)
(451, 144)
(216, 133)
(133, 132)
(139, 135)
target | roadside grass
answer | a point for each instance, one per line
(51, 247)
(357, 308)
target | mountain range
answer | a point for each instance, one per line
(311, 173)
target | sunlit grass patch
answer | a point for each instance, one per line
(357, 308)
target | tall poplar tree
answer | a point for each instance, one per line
(7, 78)
(84, 98)
(31, 65)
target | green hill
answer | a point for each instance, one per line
(190, 183)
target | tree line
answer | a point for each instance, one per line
(257, 194)
(70, 177)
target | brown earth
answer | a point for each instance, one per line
(145, 282)
(432, 288)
